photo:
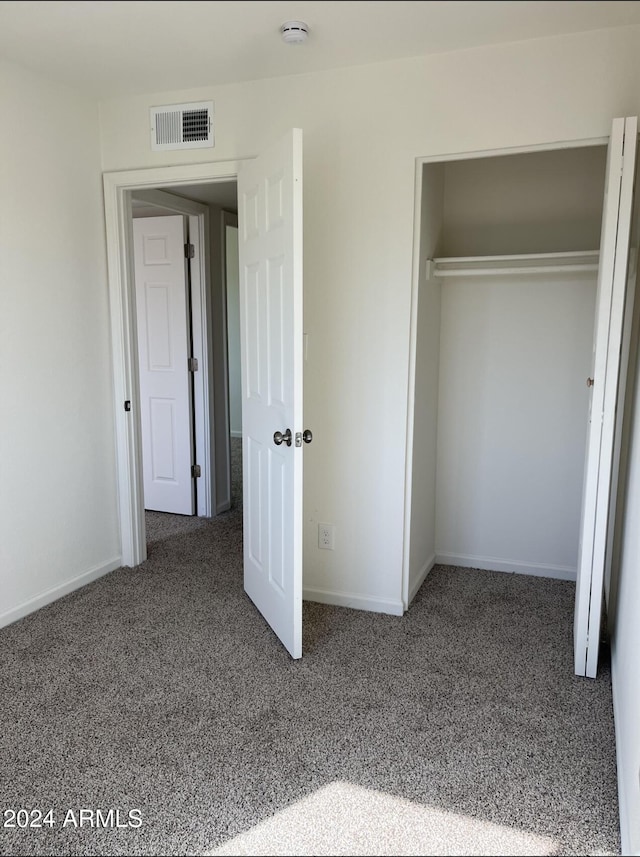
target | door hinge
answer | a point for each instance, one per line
(195, 471)
(189, 251)
(192, 364)
(127, 405)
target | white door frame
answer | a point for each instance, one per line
(413, 334)
(117, 205)
(200, 267)
(231, 220)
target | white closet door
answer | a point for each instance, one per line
(270, 250)
(611, 302)
(163, 351)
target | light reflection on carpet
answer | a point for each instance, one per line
(343, 818)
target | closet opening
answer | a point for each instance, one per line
(506, 255)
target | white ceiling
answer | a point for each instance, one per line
(222, 194)
(119, 47)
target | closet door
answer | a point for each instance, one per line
(612, 302)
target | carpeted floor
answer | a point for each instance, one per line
(456, 729)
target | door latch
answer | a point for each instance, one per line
(305, 436)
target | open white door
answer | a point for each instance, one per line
(163, 352)
(611, 305)
(270, 253)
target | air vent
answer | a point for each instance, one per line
(182, 126)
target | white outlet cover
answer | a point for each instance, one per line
(326, 533)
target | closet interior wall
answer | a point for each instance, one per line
(501, 402)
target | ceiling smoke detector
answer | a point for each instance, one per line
(294, 32)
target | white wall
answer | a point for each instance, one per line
(58, 497)
(363, 128)
(512, 421)
(535, 202)
(625, 647)
(422, 548)
(624, 607)
(233, 331)
(623, 588)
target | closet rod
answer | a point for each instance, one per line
(530, 263)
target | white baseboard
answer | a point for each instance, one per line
(357, 602)
(420, 579)
(56, 592)
(487, 563)
(235, 433)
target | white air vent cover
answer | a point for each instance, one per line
(182, 126)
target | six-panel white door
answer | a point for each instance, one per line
(611, 304)
(163, 351)
(270, 252)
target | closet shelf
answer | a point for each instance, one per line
(530, 263)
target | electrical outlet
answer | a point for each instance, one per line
(326, 533)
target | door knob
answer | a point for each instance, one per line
(307, 437)
(280, 438)
(589, 382)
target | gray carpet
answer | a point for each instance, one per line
(456, 729)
